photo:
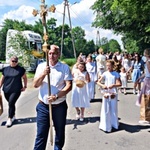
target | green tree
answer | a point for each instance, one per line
(90, 47)
(104, 44)
(114, 46)
(130, 45)
(129, 17)
(2, 44)
(38, 27)
(67, 41)
(7, 24)
(80, 41)
(20, 48)
(10, 24)
(51, 28)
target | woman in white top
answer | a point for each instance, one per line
(123, 77)
(126, 63)
(109, 110)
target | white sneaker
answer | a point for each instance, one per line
(9, 122)
(13, 119)
(144, 122)
(134, 92)
(138, 94)
(81, 119)
(77, 116)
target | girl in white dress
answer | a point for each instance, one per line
(80, 95)
(91, 69)
(126, 63)
(123, 77)
(109, 110)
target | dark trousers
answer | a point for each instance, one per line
(59, 114)
(11, 98)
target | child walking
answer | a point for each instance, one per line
(91, 69)
(123, 77)
(109, 110)
(80, 95)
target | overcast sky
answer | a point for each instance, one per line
(80, 12)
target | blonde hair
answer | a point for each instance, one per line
(100, 50)
(147, 52)
(111, 62)
(14, 57)
(123, 68)
(55, 47)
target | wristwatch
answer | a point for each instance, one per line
(56, 95)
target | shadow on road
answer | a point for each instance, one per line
(122, 126)
(132, 128)
(96, 100)
(77, 123)
(22, 121)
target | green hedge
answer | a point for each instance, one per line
(69, 61)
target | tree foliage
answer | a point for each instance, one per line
(10, 24)
(20, 48)
(109, 46)
(55, 36)
(127, 17)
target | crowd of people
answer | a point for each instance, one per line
(129, 66)
(111, 72)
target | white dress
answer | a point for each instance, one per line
(123, 77)
(91, 69)
(126, 63)
(109, 110)
(80, 96)
(101, 63)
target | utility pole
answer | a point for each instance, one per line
(72, 38)
(98, 43)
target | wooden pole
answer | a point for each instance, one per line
(46, 48)
(72, 37)
(49, 92)
(62, 34)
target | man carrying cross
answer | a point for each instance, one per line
(61, 84)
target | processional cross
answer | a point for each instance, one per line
(46, 47)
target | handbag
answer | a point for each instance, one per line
(1, 105)
(145, 108)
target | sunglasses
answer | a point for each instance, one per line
(14, 61)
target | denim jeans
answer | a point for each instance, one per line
(59, 114)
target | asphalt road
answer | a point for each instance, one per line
(79, 135)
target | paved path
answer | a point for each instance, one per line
(79, 135)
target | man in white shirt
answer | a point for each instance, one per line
(61, 84)
(101, 62)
